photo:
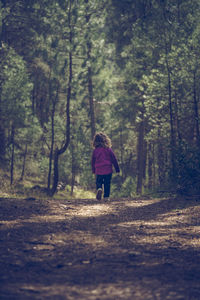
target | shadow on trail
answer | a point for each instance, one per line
(142, 211)
(14, 208)
(89, 250)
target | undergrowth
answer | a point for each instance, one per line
(35, 188)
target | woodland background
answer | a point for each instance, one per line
(131, 68)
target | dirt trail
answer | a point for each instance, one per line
(84, 249)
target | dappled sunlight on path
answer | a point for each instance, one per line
(89, 249)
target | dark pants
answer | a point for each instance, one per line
(104, 180)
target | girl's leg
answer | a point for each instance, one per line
(99, 181)
(107, 181)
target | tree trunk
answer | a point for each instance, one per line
(54, 101)
(55, 173)
(140, 157)
(73, 171)
(177, 121)
(196, 112)
(167, 47)
(161, 160)
(24, 162)
(91, 100)
(144, 159)
(154, 165)
(2, 130)
(60, 151)
(2, 142)
(172, 131)
(90, 80)
(12, 154)
(150, 166)
(122, 153)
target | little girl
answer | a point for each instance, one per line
(102, 160)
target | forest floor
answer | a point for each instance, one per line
(87, 249)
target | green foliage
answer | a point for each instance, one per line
(16, 88)
(141, 62)
(125, 189)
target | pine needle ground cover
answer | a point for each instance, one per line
(86, 249)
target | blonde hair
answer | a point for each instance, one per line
(101, 140)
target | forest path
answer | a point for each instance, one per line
(84, 249)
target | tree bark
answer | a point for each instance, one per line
(167, 47)
(60, 151)
(91, 100)
(196, 112)
(161, 160)
(24, 162)
(73, 169)
(178, 130)
(172, 131)
(54, 101)
(2, 141)
(90, 80)
(140, 157)
(12, 154)
(2, 130)
(150, 166)
(122, 153)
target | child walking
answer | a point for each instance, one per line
(103, 158)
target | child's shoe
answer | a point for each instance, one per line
(106, 199)
(99, 194)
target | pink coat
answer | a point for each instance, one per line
(102, 161)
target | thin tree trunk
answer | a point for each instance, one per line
(177, 121)
(171, 117)
(72, 169)
(122, 153)
(144, 159)
(196, 112)
(90, 80)
(154, 166)
(172, 131)
(150, 166)
(91, 100)
(140, 157)
(24, 162)
(160, 155)
(2, 127)
(12, 154)
(89, 71)
(2, 141)
(60, 151)
(52, 138)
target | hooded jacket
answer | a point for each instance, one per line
(102, 161)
